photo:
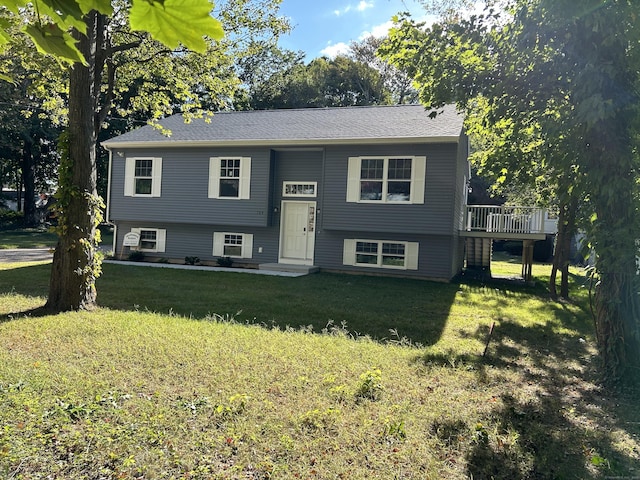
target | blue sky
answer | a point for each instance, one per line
(327, 27)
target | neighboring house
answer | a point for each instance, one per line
(362, 189)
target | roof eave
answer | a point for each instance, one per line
(279, 143)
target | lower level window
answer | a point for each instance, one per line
(235, 245)
(151, 239)
(380, 253)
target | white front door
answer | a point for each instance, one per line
(297, 232)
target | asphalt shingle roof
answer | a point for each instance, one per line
(302, 126)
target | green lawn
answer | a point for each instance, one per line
(189, 374)
(27, 238)
(40, 238)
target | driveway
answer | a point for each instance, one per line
(25, 254)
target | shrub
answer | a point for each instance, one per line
(10, 219)
(136, 256)
(191, 260)
(225, 261)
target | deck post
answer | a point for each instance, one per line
(527, 260)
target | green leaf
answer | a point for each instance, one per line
(64, 13)
(13, 5)
(172, 22)
(49, 39)
(102, 6)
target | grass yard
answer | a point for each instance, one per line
(189, 374)
(27, 238)
(41, 238)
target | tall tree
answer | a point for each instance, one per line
(323, 82)
(81, 33)
(395, 81)
(574, 69)
(27, 135)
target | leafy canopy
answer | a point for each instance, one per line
(171, 22)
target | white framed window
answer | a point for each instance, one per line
(143, 177)
(229, 177)
(234, 245)
(299, 189)
(381, 254)
(395, 179)
(151, 239)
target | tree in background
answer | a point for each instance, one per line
(571, 71)
(395, 81)
(324, 82)
(85, 36)
(27, 135)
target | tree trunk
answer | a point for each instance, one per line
(617, 308)
(75, 265)
(31, 218)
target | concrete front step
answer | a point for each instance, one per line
(289, 267)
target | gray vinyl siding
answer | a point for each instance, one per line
(296, 166)
(197, 240)
(462, 171)
(433, 217)
(185, 186)
(190, 218)
(434, 253)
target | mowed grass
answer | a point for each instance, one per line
(187, 374)
(42, 238)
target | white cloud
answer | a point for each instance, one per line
(363, 5)
(377, 31)
(382, 29)
(342, 11)
(332, 51)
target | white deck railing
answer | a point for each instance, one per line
(506, 219)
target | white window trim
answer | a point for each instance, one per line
(247, 245)
(410, 254)
(418, 173)
(308, 195)
(161, 239)
(130, 177)
(244, 187)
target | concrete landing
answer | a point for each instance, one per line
(289, 267)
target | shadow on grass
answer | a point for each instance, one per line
(386, 309)
(556, 421)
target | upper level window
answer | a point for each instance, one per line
(386, 179)
(299, 189)
(229, 177)
(143, 177)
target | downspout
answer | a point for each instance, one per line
(108, 212)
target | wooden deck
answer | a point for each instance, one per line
(507, 222)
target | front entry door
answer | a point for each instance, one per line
(297, 232)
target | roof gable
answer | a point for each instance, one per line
(311, 126)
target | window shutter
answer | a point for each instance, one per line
(218, 244)
(129, 173)
(412, 256)
(247, 245)
(156, 182)
(418, 173)
(214, 177)
(161, 240)
(245, 178)
(353, 179)
(349, 252)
